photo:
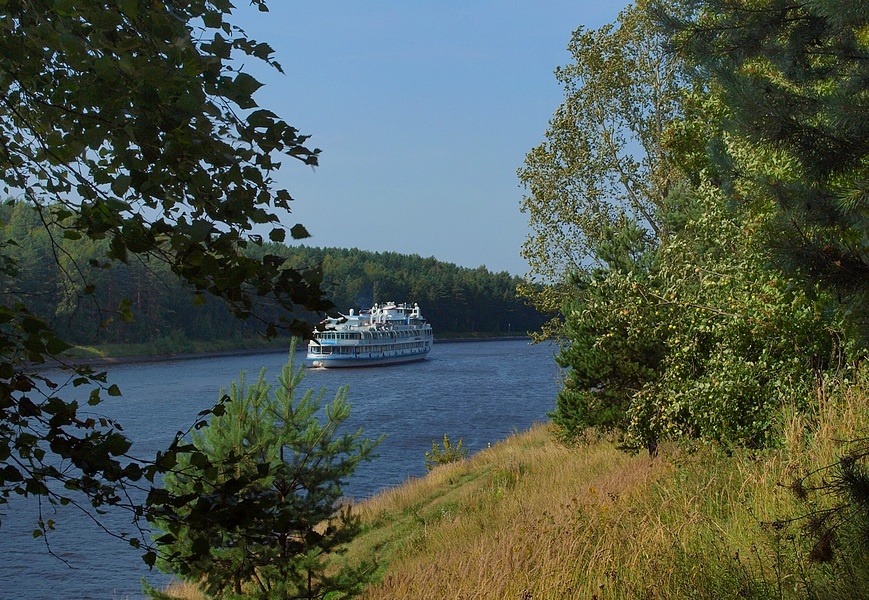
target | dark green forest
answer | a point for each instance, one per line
(456, 300)
(141, 301)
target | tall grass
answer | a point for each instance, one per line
(531, 519)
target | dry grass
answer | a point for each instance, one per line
(531, 519)
(184, 590)
(512, 522)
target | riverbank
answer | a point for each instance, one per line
(98, 356)
(479, 392)
(529, 518)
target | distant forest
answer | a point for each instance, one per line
(64, 281)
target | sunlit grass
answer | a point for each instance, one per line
(531, 519)
(177, 344)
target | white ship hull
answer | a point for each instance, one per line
(365, 360)
(387, 335)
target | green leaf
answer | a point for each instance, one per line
(117, 444)
(244, 87)
(118, 249)
(299, 232)
(261, 118)
(150, 558)
(200, 547)
(278, 235)
(200, 230)
(212, 19)
(120, 185)
(56, 345)
(125, 311)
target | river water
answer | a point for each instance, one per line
(480, 392)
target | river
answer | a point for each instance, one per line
(479, 392)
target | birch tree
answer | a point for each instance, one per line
(603, 165)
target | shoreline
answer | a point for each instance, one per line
(165, 357)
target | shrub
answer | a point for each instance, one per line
(445, 455)
(699, 341)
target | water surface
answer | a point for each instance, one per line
(480, 392)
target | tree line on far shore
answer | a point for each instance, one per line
(142, 301)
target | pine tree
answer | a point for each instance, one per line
(795, 79)
(276, 473)
(448, 454)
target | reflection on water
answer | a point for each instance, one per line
(480, 392)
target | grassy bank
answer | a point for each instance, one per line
(531, 519)
(175, 345)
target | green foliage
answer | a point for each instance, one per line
(609, 357)
(129, 128)
(740, 340)
(793, 77)
(705, 342)
(261, 516)
(445, 454)
(604, 162)
(674, 325)
(147, 148)
(159, 306)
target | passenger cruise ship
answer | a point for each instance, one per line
(385, 335)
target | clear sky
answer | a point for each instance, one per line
(423, 110)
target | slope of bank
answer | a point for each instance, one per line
(531, 519)
(175, 347)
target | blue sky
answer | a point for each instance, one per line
(423, 112)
